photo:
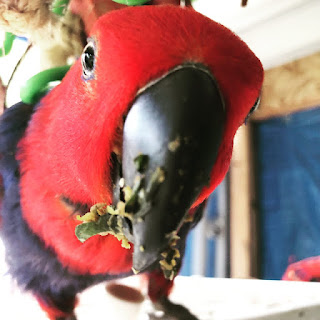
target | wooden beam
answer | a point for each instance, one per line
(243, 235)
(292, 87)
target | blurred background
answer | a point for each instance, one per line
(266, 213)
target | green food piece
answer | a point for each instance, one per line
(37, 86)
(141, 162)
(139, 204)
(132, 2)
(106, 224)
(95, 212)
(103, 219)
(133, 203)
(87, 230)
(157, 178)
(7, 44)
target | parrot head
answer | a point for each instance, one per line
(160, 84)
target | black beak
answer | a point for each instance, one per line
(174, 128)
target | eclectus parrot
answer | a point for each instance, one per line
(307, 270)
(159, 83)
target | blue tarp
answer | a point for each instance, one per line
(289, 190)
(211, 213)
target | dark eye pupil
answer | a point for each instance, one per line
(87, 60)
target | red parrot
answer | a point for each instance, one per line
(304, 270)
(160, 81)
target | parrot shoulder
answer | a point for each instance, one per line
(13, 123)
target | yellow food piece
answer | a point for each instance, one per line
(89, 216)
(165, 265)
(124, 241)
(189, 218)
(111, 210)
(173, 262)
(174, 145)
(164, 254)
(176, 253)
(135, 271)
(127, 193)
(160, 174)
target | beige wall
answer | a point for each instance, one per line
(292, 87)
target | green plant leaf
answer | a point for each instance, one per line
(132, 2)
(7, 44)
(59, 7)
(37, 86)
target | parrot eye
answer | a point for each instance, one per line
(253, 109)
(88, 61)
